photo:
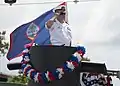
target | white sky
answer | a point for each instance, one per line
(94, 24)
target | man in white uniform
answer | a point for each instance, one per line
(60, 32)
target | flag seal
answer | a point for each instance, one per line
(32, 31)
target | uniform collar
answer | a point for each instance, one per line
(59, 22)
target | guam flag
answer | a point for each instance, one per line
(33, 31)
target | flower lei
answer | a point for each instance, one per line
(89, 79)
(48, 76)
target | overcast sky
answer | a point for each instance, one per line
(94, 24)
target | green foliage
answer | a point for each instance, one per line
(85, 59)
(3, 44)
(20, 79)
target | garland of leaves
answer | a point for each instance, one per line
(48, 76)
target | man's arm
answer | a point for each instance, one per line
(50, 22)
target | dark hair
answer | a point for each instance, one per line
(62, 8)
(57, 10)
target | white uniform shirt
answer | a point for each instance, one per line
(60, 34)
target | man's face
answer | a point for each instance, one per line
(62, 12)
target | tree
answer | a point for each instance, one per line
(3, 44)
(3, 49)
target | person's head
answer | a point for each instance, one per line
(61, 13)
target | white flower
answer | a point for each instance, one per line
(47, 76)
(25, 51)
(36, 77)
(61, 72)
(26, 58)
(34, 44)
(78, 56)
(70, 65)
